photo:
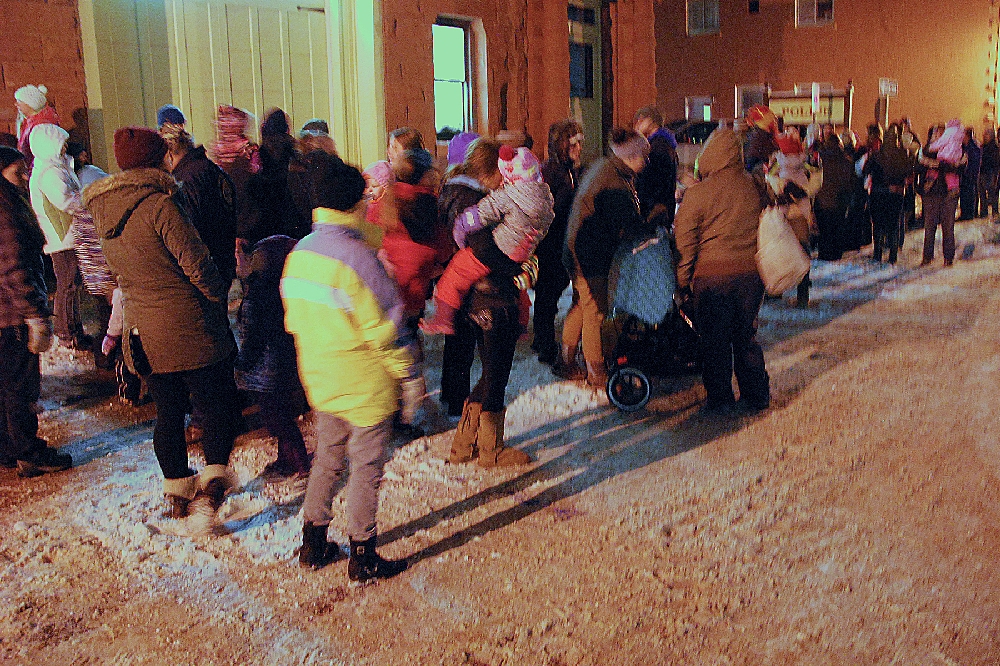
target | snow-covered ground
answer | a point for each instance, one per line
(851, 523)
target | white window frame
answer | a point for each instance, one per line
(468, 118)
(697, 13)
(807, 13)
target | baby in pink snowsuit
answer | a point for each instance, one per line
(948, 147)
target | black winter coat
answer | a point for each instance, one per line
(208, 198)
(561, 179)
(657, 183)
(605, 211)
(22, 275)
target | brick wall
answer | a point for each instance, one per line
(942, 55)
(41, 44)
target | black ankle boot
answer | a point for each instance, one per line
(316, 551)
(365, 564)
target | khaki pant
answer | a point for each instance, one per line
(586, 318)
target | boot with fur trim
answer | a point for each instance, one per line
(213, 483)
(179, 493)
(492, 452)
(463, 447)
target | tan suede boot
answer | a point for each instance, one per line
(492, 452)
(597, 376)
(463, 447)
(566, 366)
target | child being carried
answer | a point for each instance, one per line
(495, 236)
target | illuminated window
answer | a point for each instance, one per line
(452, 78)
(813, 12)
(702, 17)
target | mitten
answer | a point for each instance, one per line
(413, 398)
(39, 334)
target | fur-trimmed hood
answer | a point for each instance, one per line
(112, 200)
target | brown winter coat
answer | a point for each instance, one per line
(716, 224)
(605, 211)
(172, 291)
(22, 275)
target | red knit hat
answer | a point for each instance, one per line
(138, 147)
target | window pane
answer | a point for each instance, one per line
(449, 105)
(581, 70)
(824, 11)
(449, 53)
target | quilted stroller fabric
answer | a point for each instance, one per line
(642, 279)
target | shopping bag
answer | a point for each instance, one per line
(781, 261)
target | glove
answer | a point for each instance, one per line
(39, 334)
(109, 343)
(413, 398)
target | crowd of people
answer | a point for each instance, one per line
(334, 268)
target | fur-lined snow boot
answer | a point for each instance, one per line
(492, 452)
(463, 446)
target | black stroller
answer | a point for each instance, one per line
(657, 338)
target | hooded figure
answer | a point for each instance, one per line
(55, 197)
(716, 233)
(33, 109)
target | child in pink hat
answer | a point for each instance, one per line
(495, 236)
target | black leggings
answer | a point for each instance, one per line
(496, 352)
(212, 392)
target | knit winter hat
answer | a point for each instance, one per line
(335, 184)
(275, 122)
(459, 146)
(380, 173)
(763, 117)
(168, 113)
(316, 125)
(33, 96)
(519, 164)
(8, 156)
(138, 147)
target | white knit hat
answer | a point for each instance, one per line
(33, 96)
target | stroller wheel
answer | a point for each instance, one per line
(628, 389)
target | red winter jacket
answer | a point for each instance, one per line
(408, 216)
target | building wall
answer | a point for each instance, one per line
(527, 43)
(942, 55)
(41, 44)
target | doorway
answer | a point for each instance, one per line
(586, 74)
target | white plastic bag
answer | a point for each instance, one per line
(781, 261)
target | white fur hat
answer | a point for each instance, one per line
(33, 96)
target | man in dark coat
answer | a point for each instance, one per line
(989, 170)
(969, 188)
(25, 326)
(656, 184)
(207, 197)
(605, 211)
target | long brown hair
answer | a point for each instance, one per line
(560, 132)
(480, 160)
(409, 138)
